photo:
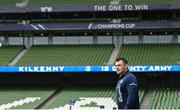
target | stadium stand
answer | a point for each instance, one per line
(83, 90)
(9, 3)
(89, 97)
(142, 91)
(8, 53)
(24, 97)
(76, 93)
(151, 53)
(165, 98)
(67, 2)
(90, 20)
(34, 3)
(67, 55)
(95, 2)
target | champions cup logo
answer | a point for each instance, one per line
(115, 26)
(46, 9)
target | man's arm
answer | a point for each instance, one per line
(133, 98)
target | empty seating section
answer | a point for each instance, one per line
(82, 20)
(11, 3)
(67, 2)
(141, 93)
(8, 53)
(67, 55)
(21, 97)
(79, 93)
(95, 2)
(165, 98)
(76, 93)
(151, 53)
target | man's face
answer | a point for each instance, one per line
(120, 67)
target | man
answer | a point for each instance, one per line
(127, 87)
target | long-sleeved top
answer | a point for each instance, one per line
(127, 92)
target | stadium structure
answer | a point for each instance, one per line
(59, 54)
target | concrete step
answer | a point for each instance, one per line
(18, 57)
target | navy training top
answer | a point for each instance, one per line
(127, 92)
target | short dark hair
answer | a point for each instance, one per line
(122, 59)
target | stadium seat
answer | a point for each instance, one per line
(67, 55)
(165, 98)
(9, 3)
(19, 97)
(151, 53)
(8, 53)
(67, 2)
